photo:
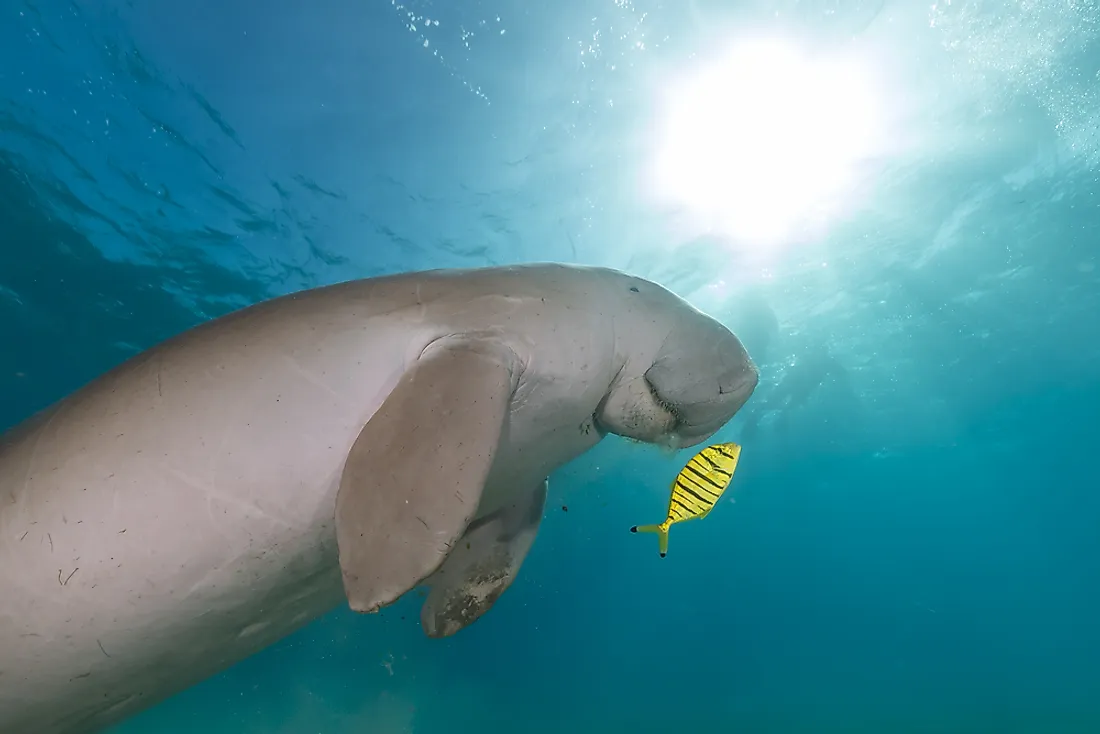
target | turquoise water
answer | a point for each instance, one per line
(914, 545)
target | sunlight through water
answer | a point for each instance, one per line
(766, 139)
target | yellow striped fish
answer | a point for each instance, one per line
(697, 487)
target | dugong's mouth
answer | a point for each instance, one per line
(696, 422)
(598, 428)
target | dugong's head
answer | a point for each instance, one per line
(684, 374)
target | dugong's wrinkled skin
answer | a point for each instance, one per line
(219, 491)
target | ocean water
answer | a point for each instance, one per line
(915, 542)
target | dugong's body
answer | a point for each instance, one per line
(217, 492)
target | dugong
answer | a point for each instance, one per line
(219, 491)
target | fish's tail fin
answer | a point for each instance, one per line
(662, 535)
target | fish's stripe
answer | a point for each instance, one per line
(726, 469)
(701, 480)
(710, 490)
(703, 501)
(724, 472)
(727, 453)
(683, 508)
(686, 501)
(720, 467)
(694, 507)
(678, 505)
(699, 468)
(708, 485)
(725, 465)
(704, 481)
(701, 458)
(713, 454)
(723, 457)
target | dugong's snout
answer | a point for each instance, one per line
(693, 384)
(703, 375)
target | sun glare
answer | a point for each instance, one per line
(765, 139)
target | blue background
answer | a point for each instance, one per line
(915, 544)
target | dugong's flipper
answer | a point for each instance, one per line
(413, 479)
(483, 564)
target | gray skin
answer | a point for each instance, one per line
(226, 487)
